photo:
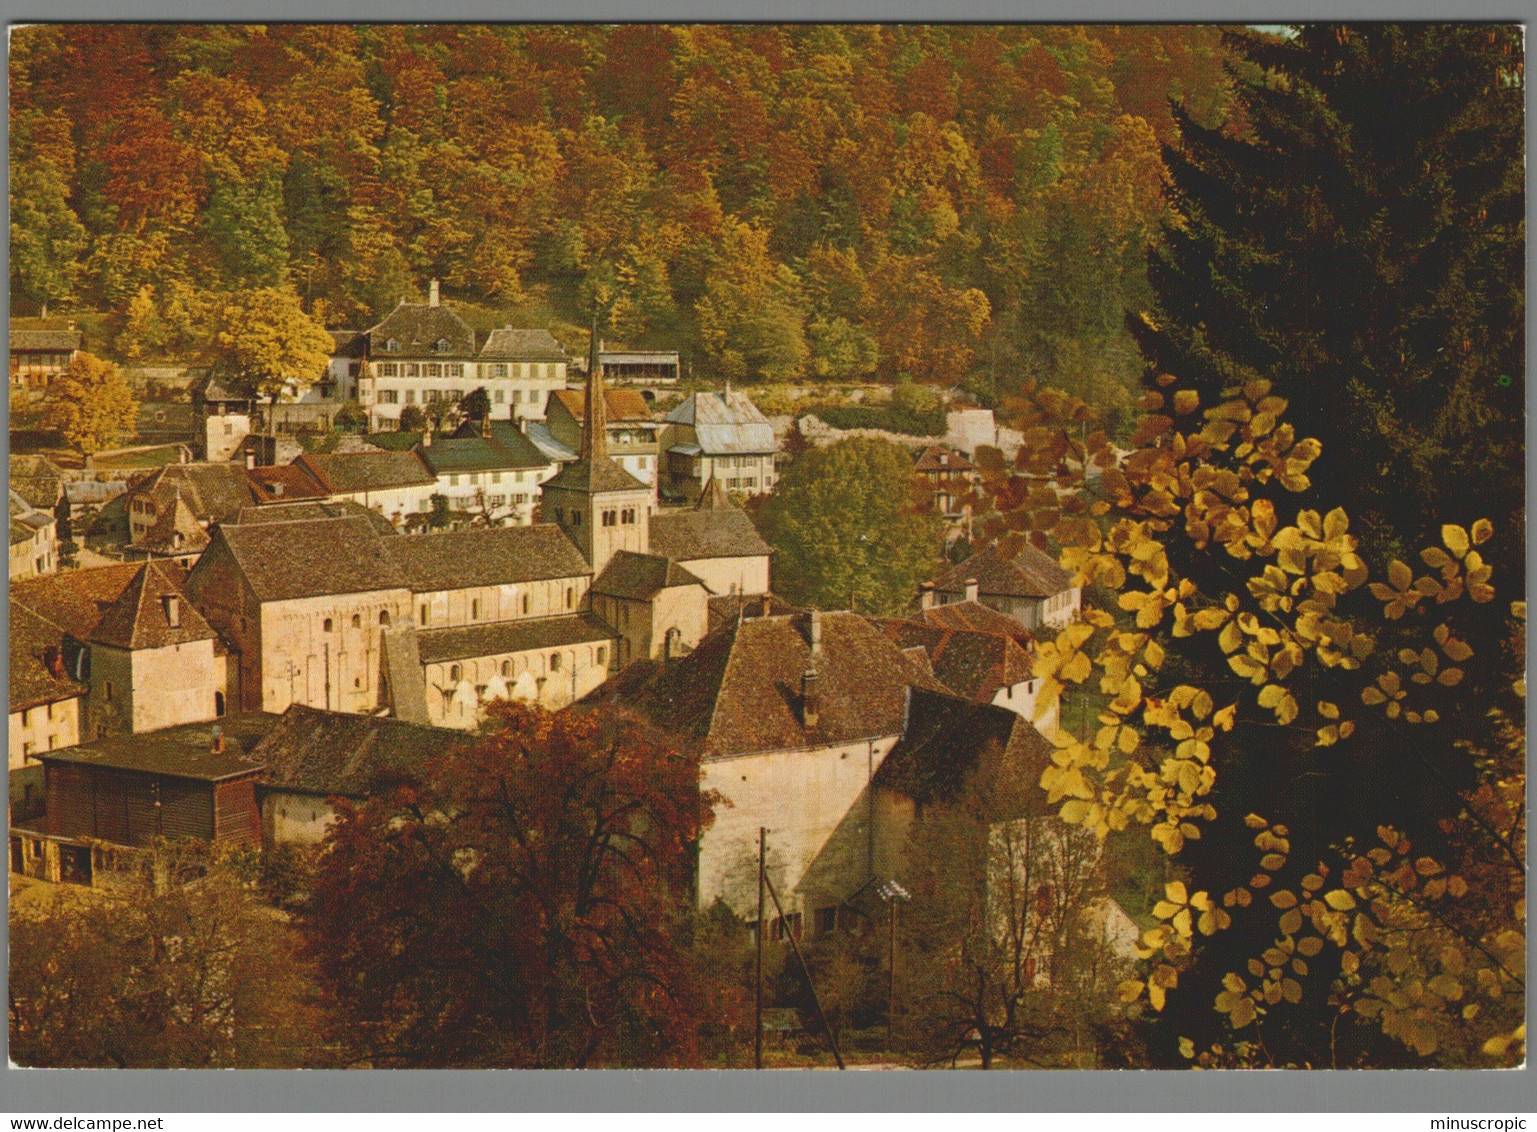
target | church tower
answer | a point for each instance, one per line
(599, 505)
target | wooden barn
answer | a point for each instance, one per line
(194, 781)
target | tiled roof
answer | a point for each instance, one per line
(975, 615)
(622, 404)
(685, 536)
(971, 664)
(45, 341)
(307, 511)
(735, 607)
(508, 450)
(345, 473)
(284, 482)
(211, 491)
(1030, 573)
(418, 327)
(463, 642)
(310, 751)
(725, 423)
(347, 343)
(138, 618)
(32, 680)
(507, 344)
(590, 476)
(176, 529)
(938, 458)
(640, 577)
(739, 691)
(285, 560)
(74, 600)
(947, 739)
(37, 480)
(485, 556)
(178, 752)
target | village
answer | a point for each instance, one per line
(283, 629)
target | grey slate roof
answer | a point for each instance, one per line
(725, 424)
(345, 473)
(539, 434)
(178, 752)
(505, 450)
(418, 327)
(464, 642)
(640, 577)
(285, 560)
(310, 751)
(507, 344)
(485, 556)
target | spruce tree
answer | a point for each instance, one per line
(1357, 240)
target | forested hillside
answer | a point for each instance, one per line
(955, 203)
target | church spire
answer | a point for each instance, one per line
(595, 422)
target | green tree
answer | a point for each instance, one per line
(47, 238)
(751, 316)
(412, 419)
(92, 404)
(266, 340)
(848, 531)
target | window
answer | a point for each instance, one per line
(499, 369)
(555, 662)
(326, 625)
(424, 613)
(628, 517)
(229, 428)
(453, 481)
(507, 668)
(389, 397)
(525, 603)
(501, 396)
(456, 673)
(28, 748)
(432, 369)
(389, 369)
(496, 500)
(384, 616)
(431, 396)
(827, 920)
(785, 926)
(570, 597)
(26, 716)
(218, 703)
(601, 656)
(609, 518)
(517, 396)
(410, 396)
(454, 369)
(496, 477)
(576, 517)
(475, 609)
(441, 345)
(357, 620)
(413, 370)
(393, 346)
(109, 691)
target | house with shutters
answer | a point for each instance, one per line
(46, 698)
(425, 354)
(1027, 586)
(393, 484)
(720, 435)
(494, 476)
(40, 355)
(34, 540)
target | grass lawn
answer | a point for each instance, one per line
(141, 458)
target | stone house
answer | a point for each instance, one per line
(394, 484)
(951, 477)
(716, 542)
(718, 435)
(34, 540)
(983, 667)
(46, 699)
(170, 510)
(39, 356)
(424, 354)
(632, 431)
(127, 633)
(1029, 587)
(496, 474)
(310, 757)
(655, 605)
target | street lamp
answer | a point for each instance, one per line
(893, 894)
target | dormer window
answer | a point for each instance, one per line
(442, 346)
(392, 346)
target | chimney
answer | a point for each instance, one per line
(216, 747)
(972, 589)
(816, 633)
(55, 658)
(277, 489)
(926, 595)
(172, 605)
(811, 699)
(427, 435)
(250, 459)
(432, 293)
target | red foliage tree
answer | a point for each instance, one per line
(522, 901)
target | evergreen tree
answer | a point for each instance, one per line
(1360, 249)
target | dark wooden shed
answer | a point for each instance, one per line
(195, 781)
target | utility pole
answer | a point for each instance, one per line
(893, 894)
(757, 1000)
